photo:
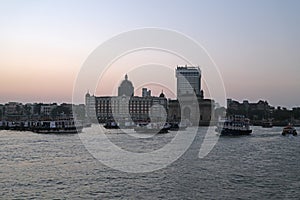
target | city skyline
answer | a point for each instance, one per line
(254, 44)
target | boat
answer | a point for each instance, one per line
(152, 128)
(234, 125)
(126, 125)
(111, 125)
(177, 127)
(66, 126)
(289, 129)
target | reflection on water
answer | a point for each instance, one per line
(264, 165)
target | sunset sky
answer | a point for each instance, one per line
(254, 43)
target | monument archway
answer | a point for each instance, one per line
(187, 113)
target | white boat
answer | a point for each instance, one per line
(233, 126)
(64, 126)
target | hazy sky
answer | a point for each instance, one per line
(255, 44)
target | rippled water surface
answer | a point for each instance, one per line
(264, 165)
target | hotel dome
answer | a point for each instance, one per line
(126, 88)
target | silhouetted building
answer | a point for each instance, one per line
(190, 104)
(126, 88)
(90, 109)
(125, 106)
(188, 81)
(254, 111)
(146, 92)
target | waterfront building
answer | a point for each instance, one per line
(188, 81)
(256, 112)
(124, 108)
(1, 111)
(127, 107)
(47, 108)
(190, 96)
(183, 110)
(90, 109)
(13, 108)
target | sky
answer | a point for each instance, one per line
(255, 44)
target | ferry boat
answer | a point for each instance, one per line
(66, 126)
(289, 129)
(233, 126)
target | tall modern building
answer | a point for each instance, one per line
(188, 81)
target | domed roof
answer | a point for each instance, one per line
(126, 82)
(87, 94)
(162, 94)
(126, 88)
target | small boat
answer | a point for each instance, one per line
(111, 125)
(126, 125)
(177, 126)
(58, 127)
(289, 129)
(152, 128)
(234, 126)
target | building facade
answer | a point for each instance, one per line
(90, 109)
(137, 109)
(189, 106)
(125, 106)
(188, 81)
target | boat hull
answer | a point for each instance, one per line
(289, 132)
(111, 127)
(231, 132)
(148, 130)
(72, 130)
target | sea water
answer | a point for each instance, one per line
(264, 165)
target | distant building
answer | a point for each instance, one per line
(47, 108)
(255, 111)
(190, 98)
(188, 81)
(125, 106)
(126, 88)
(1, 111)
(134, 108)
(146, 92)
(90, 109)
(13, 108)
(184, 109)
